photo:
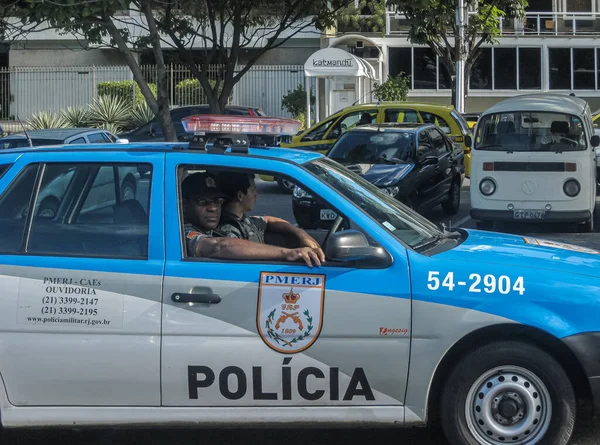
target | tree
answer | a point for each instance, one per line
(368, 16)
(433, 23)
(97, 23)
(229, 29)
(393, 89)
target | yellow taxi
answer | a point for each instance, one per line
(471, 119)
(322, 136)
(596, 119)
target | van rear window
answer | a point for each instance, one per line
(530, 131)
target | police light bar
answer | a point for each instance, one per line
(217, 123)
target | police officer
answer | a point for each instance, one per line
(240, 189)
(202, 201)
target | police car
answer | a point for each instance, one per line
(105, 320)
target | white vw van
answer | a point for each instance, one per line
(533, 160)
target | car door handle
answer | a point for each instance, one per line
(196, 298)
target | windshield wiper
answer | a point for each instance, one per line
(432, 240)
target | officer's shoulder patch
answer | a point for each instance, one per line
(194, 234)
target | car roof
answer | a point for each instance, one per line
(286, 154)
(367, 106)
(553, 102)
(54, 133)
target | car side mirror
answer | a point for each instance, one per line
(429, 160)
(122, 141)
(353, 246)
(595, 140)
(468, 141)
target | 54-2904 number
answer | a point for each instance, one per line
(477, 283)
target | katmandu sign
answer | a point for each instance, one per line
(333, 63)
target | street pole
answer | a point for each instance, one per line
(460, 63)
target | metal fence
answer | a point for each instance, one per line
(28, 90)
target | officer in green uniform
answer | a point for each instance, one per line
(240, 189)
(202, 201)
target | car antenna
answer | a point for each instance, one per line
(26, 134)
(361, 98)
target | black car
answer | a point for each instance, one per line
(416, 164)
(152, 131)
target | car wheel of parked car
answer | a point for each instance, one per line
(48, 208)
(505, 393)
(589, 226)
(286, 186)
(128, 189)
(452, 205)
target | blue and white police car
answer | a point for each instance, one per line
(105, 320)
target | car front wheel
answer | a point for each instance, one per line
(508, 393)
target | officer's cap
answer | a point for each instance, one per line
(201, 185)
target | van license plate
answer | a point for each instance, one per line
(529, 214)
(328, 215)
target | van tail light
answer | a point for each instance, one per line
(570, 166)
(488, 166)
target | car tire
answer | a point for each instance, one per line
(589, 226)
(48, 208)
(508, 392)
(452, 204)
(128, 188)
(286, 186)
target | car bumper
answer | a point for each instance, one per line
(579, 216)
(586, 348)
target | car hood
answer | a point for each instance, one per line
(381, 175)
(525, 251)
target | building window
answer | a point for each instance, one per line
(578, 5)
(583, 69)
(444, 76)
(400, 61)
(505, 68)
(530, 68)
(481, 71)
(425, 69)
(560, 68)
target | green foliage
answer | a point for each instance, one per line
(294, 102)
(126, 89)
(140, 114)
(369, 16)
(76, 117)
(190, 92)
(393, 89)
(110, 110)
(45, 120)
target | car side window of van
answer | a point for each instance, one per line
(78, 141)
(96, 138)
(318, 133)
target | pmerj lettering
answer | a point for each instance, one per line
(88, 282)
(70, 290)
(292, 280)
(334, 63)
(234, 383)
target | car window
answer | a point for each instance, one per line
(96, 138)
(431, 118)
(318, 133)
(400, 115)
(373, 147)
(351, 120)
(303, 208)
(424, 147)
(78, 141)
(78, 211)
(13, 204)
(438, 142)
(108, 137)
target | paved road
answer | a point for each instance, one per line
(272, 202)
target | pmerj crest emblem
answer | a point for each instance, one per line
(290, 310)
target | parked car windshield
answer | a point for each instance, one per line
(407, 226)
(373, 147)
(530, 132)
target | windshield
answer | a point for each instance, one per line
(373, 147)
(530, 131)
(407, 226)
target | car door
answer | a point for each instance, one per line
(441, 148)
(80, 309)
(344, 343)
(427, 168)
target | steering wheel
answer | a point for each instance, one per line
(569, 142)
(334, 228)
